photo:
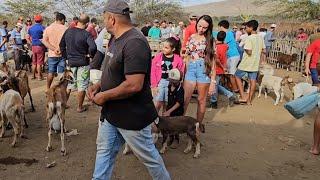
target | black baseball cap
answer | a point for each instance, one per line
(117, 7)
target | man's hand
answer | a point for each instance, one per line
(99, 99)
(57, 51)
(154, 91)
(166, 114)
(307, 71)
(92, 90)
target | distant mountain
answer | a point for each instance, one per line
(228, 8)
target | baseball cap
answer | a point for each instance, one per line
(193, 17)
(273, 25)
(117, 7)
(38, 17)
(174, 74)
(156, 21)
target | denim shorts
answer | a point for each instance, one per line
(56, 64)
(162, 95)
(314, 76)
(196, 72)
(81, 77)
(251, 75)
(232, 64)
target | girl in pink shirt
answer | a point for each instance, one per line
(162, 63)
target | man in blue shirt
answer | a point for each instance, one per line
(3, 48)
(16, 36)
(232, 53)
(155, 32)
(269, 37)
(38, 49)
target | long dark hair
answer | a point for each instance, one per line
(209, 51)
(174, 43)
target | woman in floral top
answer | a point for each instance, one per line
(200, 72)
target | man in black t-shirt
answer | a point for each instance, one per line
(145, 29)
(125, 96)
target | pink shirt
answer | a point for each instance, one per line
(92, 31)
(53, 34)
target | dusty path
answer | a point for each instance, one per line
(258, 142)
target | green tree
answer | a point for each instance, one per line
(76, 7)
(148, 10)
(26, 8)
(294, 9)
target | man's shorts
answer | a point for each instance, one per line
(38, 55)
(232, 64)
(163, 90)
(56, 64)
(3, 57)
(251, 75)
(81, 78)
(196, 72)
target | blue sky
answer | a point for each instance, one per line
(194, 2)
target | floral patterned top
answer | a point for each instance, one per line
(196, 49)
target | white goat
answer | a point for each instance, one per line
(302, 89)
(276, 84)
(11, 110)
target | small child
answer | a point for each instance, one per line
(221, 63)
(162, 63)
(175, 101)
(254, 51)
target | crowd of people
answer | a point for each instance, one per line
(193, 57)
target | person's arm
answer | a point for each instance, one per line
(92, 46)
(307, 64)
(136, 65)
(169, 111)
(46, 42)
(63, 46)
(4, 37)
(248, 47)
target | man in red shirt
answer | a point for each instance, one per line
(221, 66)
(313, 52)
(92, 28)
(74, 22)
(190, 29)
(302, 36)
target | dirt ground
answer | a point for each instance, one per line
(258, 142)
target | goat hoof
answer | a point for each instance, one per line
(49, 148)
(13, 145)
(33, 110)
(187, 151)
(63, 152)
(25, 126)
(162, 151)
(196, 155)
(125, 152)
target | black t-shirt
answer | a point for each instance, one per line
(166, 66)
(145, 30)
(176, 96)
(127, 55)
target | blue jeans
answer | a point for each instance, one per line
(314, 76)
(220, 89)
(301, 106)
(109, 141)
(56, 64)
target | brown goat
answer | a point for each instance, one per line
(179, 125)
(56, 105)
(286, 59)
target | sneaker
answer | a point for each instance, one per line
(214, 105)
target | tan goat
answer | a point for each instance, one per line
(11, 110)
(56, 105)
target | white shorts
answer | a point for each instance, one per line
(232, 64)
(3, 57)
